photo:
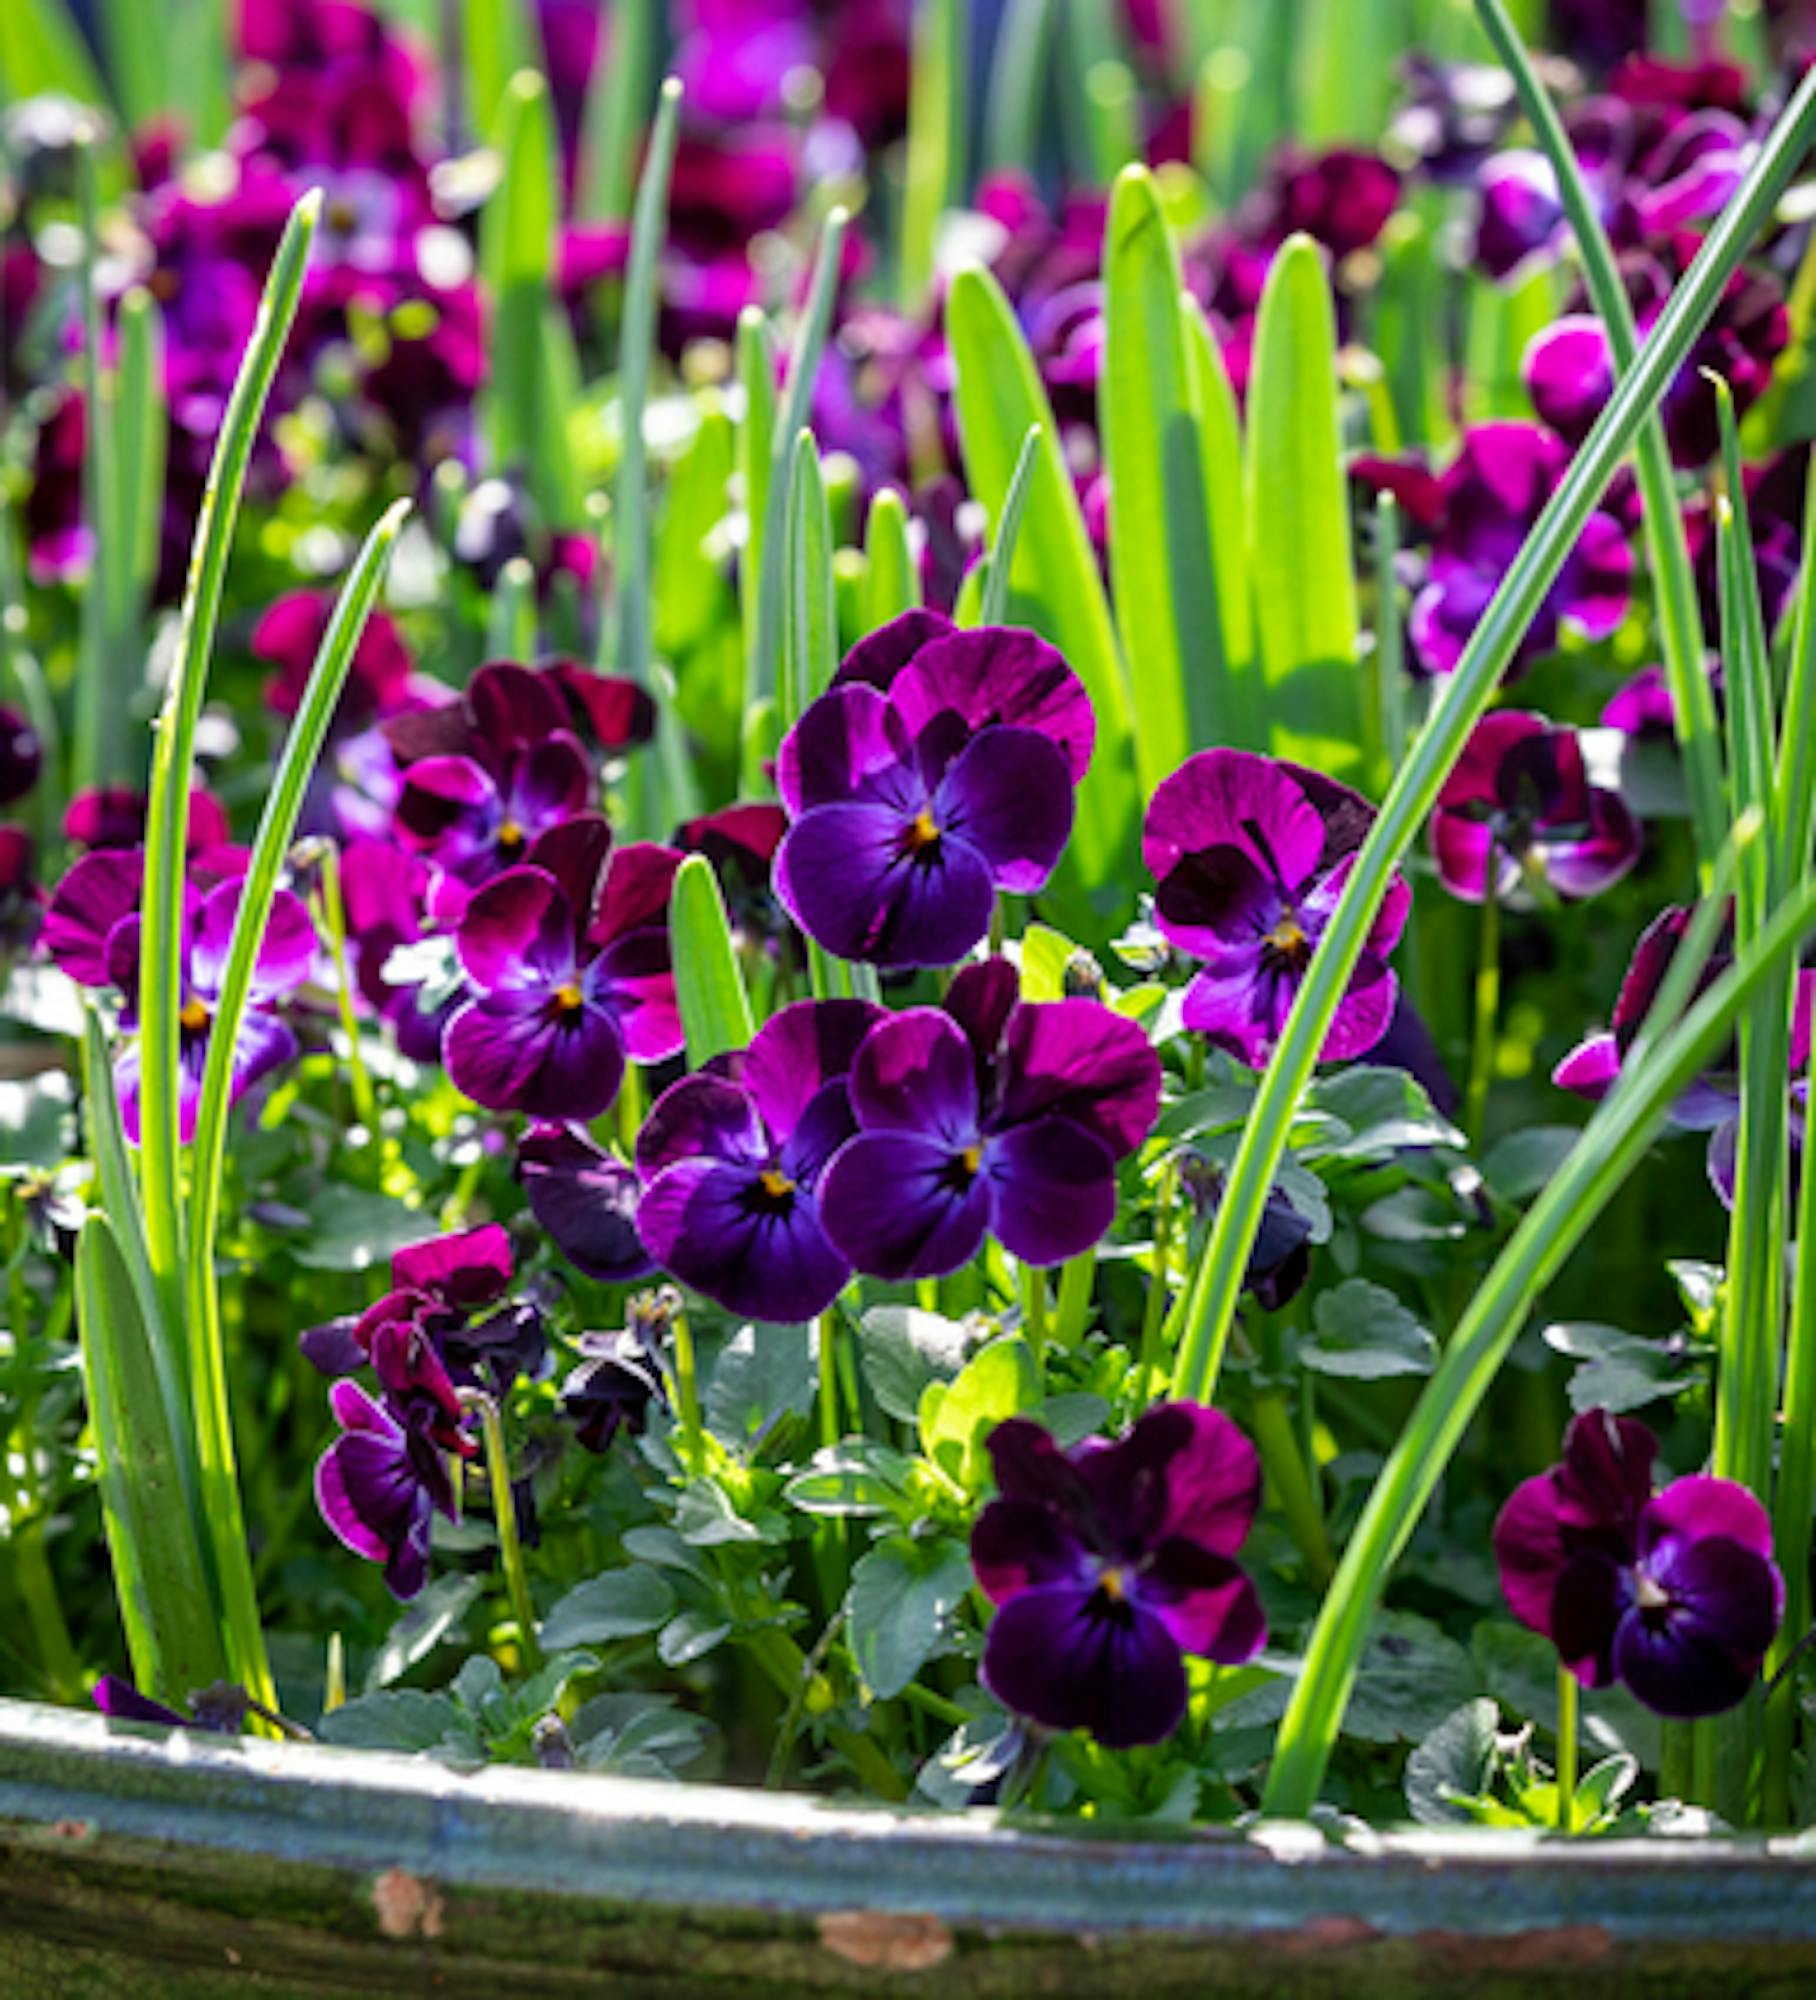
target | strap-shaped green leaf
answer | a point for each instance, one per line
(160, 1576)
(993, 607)
(812, 627)
(1298, 521)
(891, 585)
(715, 1010)
(1054, 583)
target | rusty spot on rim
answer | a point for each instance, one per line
(886, 1940)
(407, 1906)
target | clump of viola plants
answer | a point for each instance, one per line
(900, 994)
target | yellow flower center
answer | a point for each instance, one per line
(1111, 1582)
(776, 1185)
(1648, 1594)
(1287, 937)
(195, 1017)
(569, 999)
(922, 834)
(510, 836)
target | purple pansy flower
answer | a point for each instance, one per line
(21, 756)
(1712, 1103)
(569, 963)
(1251, 855)
(1486, 501)
(92, 930)
(612, 1387)
(1110, 1562)
(990, 1116)
(385, 1478)
(732, 1158)
(1673, 1594)
(937, 769)
(290, 633)
(1519, 805)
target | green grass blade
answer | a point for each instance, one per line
(1217, 1280)
(1220, 442)
(633, 616)
(892, 583)
(207, 1352)
(497, 45)
(715, 1009)
(143, 425)
(1668, 551)
(1054, 582)
(790, 419)
(524, 412)
(511, 614)
(160, 1579)
(1612, 1145)
(137, 44)
(1162, 571)
(42, 53)
(994, 609)
(1298, 523)
(173, 755)
(756, 458)
(613, 123)
(1020, 72)
(936, 141)
(104, 686)
(812, 638)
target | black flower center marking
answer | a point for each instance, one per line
(774, 1193)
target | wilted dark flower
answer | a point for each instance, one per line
(1519, 805)
(619, 1375)
(568, 959)
(1674, 1594)
(586, 1199)
(383, 1480)
(21, 756)
(1110, 1562)
(937, 769)
(1251, 855)
(732, 1161)
(990, 1116)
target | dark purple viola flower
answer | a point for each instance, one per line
(1281, 1259)
(1490, 495)
(122, 1702)
(938, 769)
(1775, 504)
(21, 897)
(1109, 1563)
(1674, 1594)
(1598, 33)
(1712, 1103)
(568, 960)
(1519, 806)
(383, 1480)
(587, 1201)
(114, 816)
(21, 756)
(220, 1708)
(465, 1270)
(91, 929)
(1341, 198)
(988, 1117)
(1453, 116)
(732, 1162)
(385, 892)
(288, 637)
(1642, 706)
(1251, 855)
(611, 1389)
(741, 842)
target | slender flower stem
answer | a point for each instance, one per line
(1075, 1281)
(1294, 1484)
(1154, 1317)
(1676, 1761)
(687, 1392)
(1034, 1311)
(1487, 1008)
(1569, 1695)
(504, 1511)
(333, 920)
(829, 1376)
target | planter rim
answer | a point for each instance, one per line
(68, 1778)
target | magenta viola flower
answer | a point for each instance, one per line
(1673, 1594)
(1519, 806)
(937, 769)
(1486, 501)
(1251, 855)
(384, 1479)
(990, 1116)
(732, 1160)
(1109, 1563)
(91, 929)
(1712, 1103)
(568, 961)
(288, 637)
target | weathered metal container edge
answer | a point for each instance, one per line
(133, 1862)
